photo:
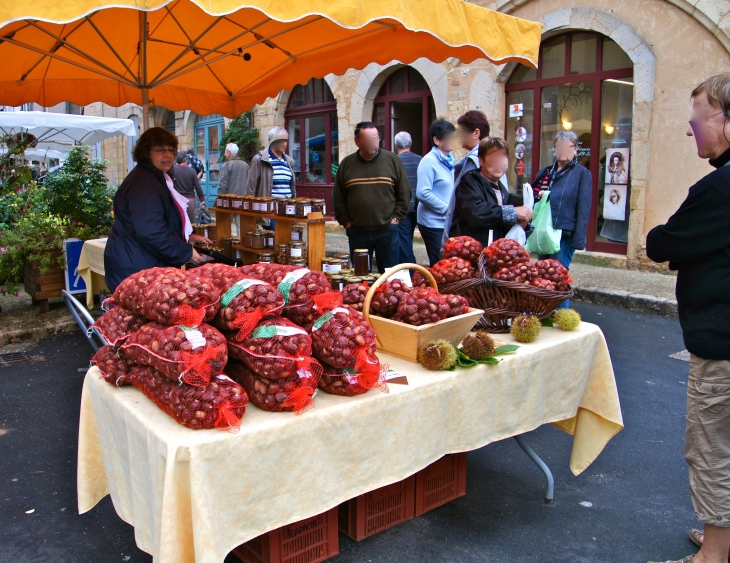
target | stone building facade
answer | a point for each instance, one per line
(629, 67)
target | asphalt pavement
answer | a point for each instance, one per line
(631, 505)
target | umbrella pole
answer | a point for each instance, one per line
(143, 70)
(145, 109)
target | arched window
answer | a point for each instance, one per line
(311, 119)
(405, 103)
(170, 123)
(583, 83)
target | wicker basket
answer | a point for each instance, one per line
(502, 301)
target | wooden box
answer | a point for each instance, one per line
(43, 286)
(406, 341)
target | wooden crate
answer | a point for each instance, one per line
(378, 510)
(441, 482)
(406, 341)
(43, 286)
(310, 540)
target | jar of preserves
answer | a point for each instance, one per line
(248, 239)
(296, 250)
(337, 283)
(285, 206)
(268, 239)
(303, 208)
(267, 257)
(319, 205)
(297, 234)
(362, 261)
(282, 254)
(298, 262)
(333, 265)
(344, 259)
(267, 205)
(236, 202)
(258, 240)
(227, 246)
(245, 203)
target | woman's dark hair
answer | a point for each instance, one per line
(153, 137)
(440, 128)
(473, 120)
(489, 144)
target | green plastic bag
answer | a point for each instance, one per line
(544, 239)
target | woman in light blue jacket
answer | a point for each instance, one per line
(435, 186)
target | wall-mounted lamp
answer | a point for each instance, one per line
(609, 129)
(567, 125)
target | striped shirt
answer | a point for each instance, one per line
(410, 163)
(281, 185)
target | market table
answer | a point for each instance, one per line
(193, 496)
(91, 268)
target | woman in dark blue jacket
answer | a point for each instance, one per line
(150, 227)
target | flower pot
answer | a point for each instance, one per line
(43, 286)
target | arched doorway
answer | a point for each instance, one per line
(584, 83)
(208, 133)
(404, 103)
(311, 119)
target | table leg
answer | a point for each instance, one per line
(541, 464)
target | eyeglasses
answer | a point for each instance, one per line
(163, 150)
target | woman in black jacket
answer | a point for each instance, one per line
(151, 227)
(481, 200)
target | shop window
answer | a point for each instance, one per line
(584, 84)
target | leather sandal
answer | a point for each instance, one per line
(697, 537)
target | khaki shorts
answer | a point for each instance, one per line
(707, 439)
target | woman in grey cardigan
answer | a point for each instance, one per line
(272, 169)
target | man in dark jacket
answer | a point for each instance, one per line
(149, 227)
(696, 243)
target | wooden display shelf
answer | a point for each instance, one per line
(315, 225)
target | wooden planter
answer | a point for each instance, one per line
(42, 287)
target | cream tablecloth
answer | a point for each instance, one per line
(193, 496)
(91, 268)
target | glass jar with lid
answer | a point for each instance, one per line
(303, 208)
(282, 253)
(297, 233)
(267, 257)
(296, 250)
(337, 282)
(334, 265)
(236, 202)
(268, 239)
(362, 261)
(319, 205)
(248, 239)
(298, 262)
(246, 202)
(258, 240)
(285, 206)
(266, 205)
(228, 246)
(344, 259)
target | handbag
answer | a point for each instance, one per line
(544, 239)
(203, 217)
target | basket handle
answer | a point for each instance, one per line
(381, 280)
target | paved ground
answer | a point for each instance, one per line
(637, 489)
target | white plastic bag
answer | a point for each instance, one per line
(517, 233)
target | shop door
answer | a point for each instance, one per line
(207, 141)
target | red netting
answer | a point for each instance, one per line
(291, 394)
(386, 298)
(343, 339)
(452, 270)
(422, 306)
(112, 366)
(264, 270)
(169, 296)
(419, 280)
(190, 355)
(458, 305)
(503, 253)
(299, 287)
(277, 348)
(244, 300)
(117, 324)
(220, 404)
(462, 247)
(349, 382)
(554, 272)
(519, 273)
(353, 294)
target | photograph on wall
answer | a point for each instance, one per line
(614, 202)
(521, 133)
(520, 151)
(617, 166)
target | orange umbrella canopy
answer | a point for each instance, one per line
(224, 56)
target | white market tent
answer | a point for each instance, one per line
(61, 131)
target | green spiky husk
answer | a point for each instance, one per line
(438, 355)
(478, 345)
(525, 328)
(566, 319)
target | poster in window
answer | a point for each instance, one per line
(617, 166)
(614, 202)
(521, 133)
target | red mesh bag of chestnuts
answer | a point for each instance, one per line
(386, 298)
(117, 324)
(183, 354)
(554, 273)
(244, 300)
(169, 296)
(302, 289)
(458, 305)
(503, 253)
(221, 404)
(343, 339)
(276, 348)
(423, 305)
(349, 382)
(290, 394)
(523, 273)
(464, 247)
(353, 294)
(112, 366)
(452, 270)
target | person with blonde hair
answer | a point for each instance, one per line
(696, 243)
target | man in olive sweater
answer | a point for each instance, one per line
(371, 197)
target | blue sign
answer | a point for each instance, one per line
(74, 282)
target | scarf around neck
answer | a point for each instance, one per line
(447, 161)
(554, 173)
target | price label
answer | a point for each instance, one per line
(402, 276)
(291, 209)
(295, 252)
(195, 337)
